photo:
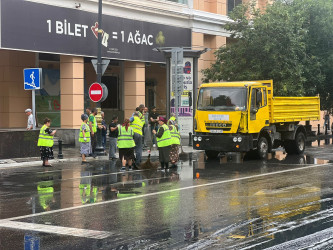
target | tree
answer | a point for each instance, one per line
(290, 42)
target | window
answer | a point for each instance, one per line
(232, 4)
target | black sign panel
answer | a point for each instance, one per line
(44, 28)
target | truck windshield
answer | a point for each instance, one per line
(222, 99)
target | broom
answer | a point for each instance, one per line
(148, 164)
(183, 156)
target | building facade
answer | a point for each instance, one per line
(61, 38)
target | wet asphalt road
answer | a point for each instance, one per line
(284, 203)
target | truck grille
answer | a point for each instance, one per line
(218, 126)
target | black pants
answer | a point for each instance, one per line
(93, 142)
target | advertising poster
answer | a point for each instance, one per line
(185, 112)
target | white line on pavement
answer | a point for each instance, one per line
(169, 191)
(68, 231)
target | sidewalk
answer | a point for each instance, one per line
(71, 154)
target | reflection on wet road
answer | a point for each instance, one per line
(282, 202)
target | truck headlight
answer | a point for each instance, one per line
(235, 139)
(199, 138)
(240, 139)
(195, 138)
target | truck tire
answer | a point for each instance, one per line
(296, 146)
(262, 147)
(211, 154)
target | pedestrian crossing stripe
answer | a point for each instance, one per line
(68, 231)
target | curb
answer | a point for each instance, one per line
(12, 164)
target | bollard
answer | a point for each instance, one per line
(318, 129)
(318, 133)
(327, 140)
(190, 139)
(60, 155)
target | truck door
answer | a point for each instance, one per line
(258, 111)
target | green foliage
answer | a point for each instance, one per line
(291, 43)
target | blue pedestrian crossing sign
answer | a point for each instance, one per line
(32, 78)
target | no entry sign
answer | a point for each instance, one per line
(95, 92)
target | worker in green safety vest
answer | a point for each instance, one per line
(45, 142)
(84, 138)
(164, 143)
(126, 144)
(175, 138)
(141, 113)
(136, 125)
(93, 129)
(173, 117)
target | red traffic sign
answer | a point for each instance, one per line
(95, 92)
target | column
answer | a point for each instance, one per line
(71, 91)
(198, 42)
(134, 86)
(13, 98)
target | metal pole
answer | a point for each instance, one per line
(99, 148)
(34, 109)
(99, 43)
(168, 92)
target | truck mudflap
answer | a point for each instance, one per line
(223, 143)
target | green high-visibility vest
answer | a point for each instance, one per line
(45, 193)
(136, 125)
(94, 124)
(175, 136)
(125, 138)
(87, 133)
(44, 139)
(142, 118)
(172, 118)
(165, 140)
(84, 192)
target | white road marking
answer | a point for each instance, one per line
(68, 231)
(169, 191)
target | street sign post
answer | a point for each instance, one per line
(177, 76)
(32, 81)
(95, 92)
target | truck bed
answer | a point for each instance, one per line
(294, 109)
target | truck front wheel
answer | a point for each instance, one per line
(262, 148)
(296, 146)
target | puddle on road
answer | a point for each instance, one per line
(278, 156)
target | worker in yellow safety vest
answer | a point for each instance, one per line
(164, 142)
(45, 142)
(84, 138)
(136, 125)
(126, 144)
(175, 138)
(93, 129)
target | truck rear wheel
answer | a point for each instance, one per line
(262, 148)
(296, 146)
(211, 154)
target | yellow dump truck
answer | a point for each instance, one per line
(245, 116)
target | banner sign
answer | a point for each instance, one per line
(185, 112)
(50, 29)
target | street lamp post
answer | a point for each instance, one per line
(99, 147)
